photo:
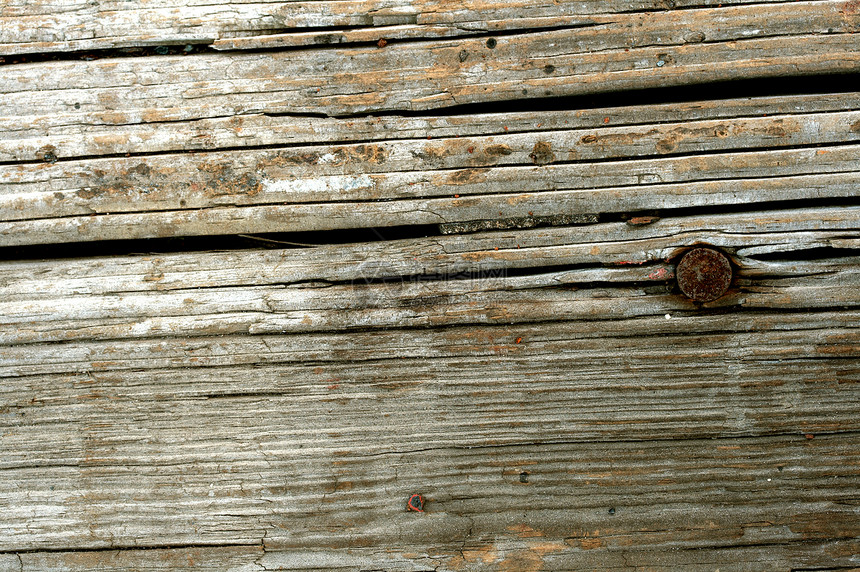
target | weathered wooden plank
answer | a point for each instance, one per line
(519, 554)
(348, 215)
(786, 18)
(74, 137)
(75, 357)
(344, 172)
(607, 244)
(569, 388)
(287, 295)
(425, 75)
(390, 182)
(720, 384)
(68, 26)
(685, 495)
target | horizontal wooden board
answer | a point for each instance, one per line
(518, 555)
(333, 470)
(315, 174)
(797, 38)
(73, 138)
(61, 25)
(750, 151)
(286, 294)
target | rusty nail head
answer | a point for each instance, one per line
(704, 274)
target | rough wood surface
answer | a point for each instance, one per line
(752, 152)
(727, 43)
(247, 400)
(512, 345)
(62, 25)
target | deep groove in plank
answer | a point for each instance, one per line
(312, 239)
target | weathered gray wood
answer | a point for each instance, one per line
(551, 394)
(521, 554)
(135, 435)
(304, 299)
(343, 172)
(609, 244)
(693, 494)
(433, 74)
(452, 179)
(213, 558)
(76, 138)
(346, 215)
(60, 25)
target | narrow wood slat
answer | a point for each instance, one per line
(680, 494)
(74, 357)
(269, 305)
(345, 172)
(59, 25)
(72, 136)
(434, 74)
(516, 553)
(448, 256)
(743, 153)
(347, 215)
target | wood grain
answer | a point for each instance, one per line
(76, 138)
(308, 299)
(521, 356)
(61, 25)
(752, 155)
(433, 74)
(726, 431)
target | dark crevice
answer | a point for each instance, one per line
(795, 542)
(311, 239)
(147, 246)
(800, 436)
(124, 548)
(725, 209)
(784, 86)
(812, 254)
(245, 395)
(828, 568)
(190, 48)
